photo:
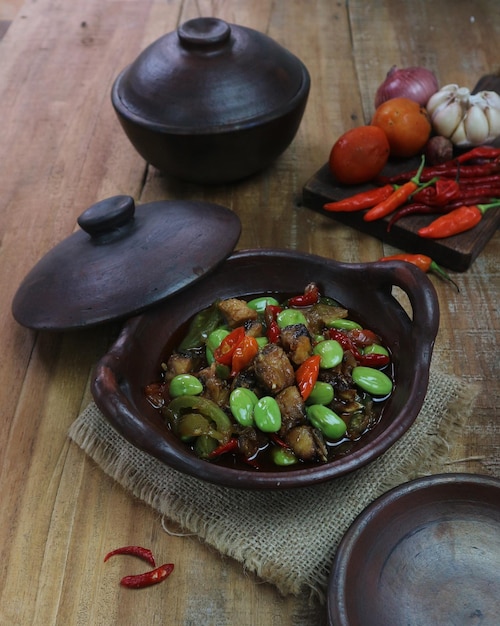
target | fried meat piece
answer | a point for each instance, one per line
(236, 312)
(273, 369)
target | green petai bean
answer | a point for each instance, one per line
(331, 353)
(376, 348)
(242, 402)
(259, 304)
(327, 421)
(290, 317)
(283, 457)
(267, 415)
(343, 324)
(184, 385)
(322, 393)
(372, 380)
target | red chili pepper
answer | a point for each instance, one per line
(423, 262)
(344, 340)
(397, 198)
(360, 201)
(479, 152)
(440, 194)
(449, 169)
(138, 581)
(308, 298)
(224, 448)
(273, 330)
(307, 375)
(143, 553)
(243, 354)
(370, 360)
(278, 441)
(224, 353)
(362, 337)
(457, 221)
(414, 209)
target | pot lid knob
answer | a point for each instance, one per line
(107, 215)
(203, 32)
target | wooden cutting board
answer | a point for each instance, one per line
(456, 253)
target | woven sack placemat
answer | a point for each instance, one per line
(309, 521)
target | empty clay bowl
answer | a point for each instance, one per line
(426, 552)
(366, 290)
(212, 102)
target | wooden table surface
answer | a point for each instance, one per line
(61, 150)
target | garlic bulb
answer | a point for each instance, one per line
(464, 118)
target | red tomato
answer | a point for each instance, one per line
(359, 155)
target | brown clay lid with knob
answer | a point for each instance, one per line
(123, 260)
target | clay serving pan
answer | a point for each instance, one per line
(365, 289)
(425, 553)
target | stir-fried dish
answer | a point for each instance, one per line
(266, 384)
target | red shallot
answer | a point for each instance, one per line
(415, 83)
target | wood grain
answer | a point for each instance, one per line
(62, 149)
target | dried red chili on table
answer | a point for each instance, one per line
(143, 553)
(139, 581)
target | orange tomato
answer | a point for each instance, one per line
(406, 125)
(359, 155)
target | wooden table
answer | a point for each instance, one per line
(61, 150)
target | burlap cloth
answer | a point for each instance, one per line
(309, 522)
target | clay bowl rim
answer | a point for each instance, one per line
(112, 393)
(425, 493)
(235, 126)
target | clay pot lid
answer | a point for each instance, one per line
(123, 260)
(209, 74)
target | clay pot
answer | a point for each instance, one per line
(364, 289)
(212, 102)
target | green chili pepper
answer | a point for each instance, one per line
(290, 317)
(191, 425)
(331, 353)
(204, 446)
(372, 380)
(267, 415)
(184, 385)
(197, 404)
(325, 420)
(202, 325)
